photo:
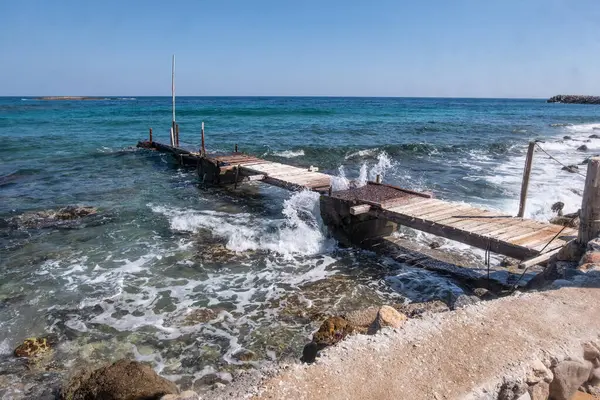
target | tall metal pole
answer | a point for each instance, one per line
(173, 91)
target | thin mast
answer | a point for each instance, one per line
(173, 85)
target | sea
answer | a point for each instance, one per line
(203, 282)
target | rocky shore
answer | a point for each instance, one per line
(574, 99)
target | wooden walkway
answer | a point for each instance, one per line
(497, 232)
(277, 174)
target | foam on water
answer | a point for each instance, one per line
(289, 153)
(300, 232)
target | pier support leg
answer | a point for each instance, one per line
(351, 229)
(150, 136)
(589, 227)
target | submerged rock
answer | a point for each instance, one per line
(583, 147)
(33, 348)
(594, 136)
(123, 380)
(52, 218)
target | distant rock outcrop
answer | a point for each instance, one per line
(574, 99)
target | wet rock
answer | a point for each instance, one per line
(244, 355)
(50, 218)
(332, 330)
(309, 353)
(587, 160)
(484, 294)
(568, 220)
(200, 315)
(415, 310)
(33, 348)
(508, 262)
(123, 380)
(583, 147)
(567, 137)
(539, 391)
(569, 375)
(435, 245)
(465, 300)
(387, 317)
(187, 395)
(571, 168)
(594, 136)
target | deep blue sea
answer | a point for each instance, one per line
(187, 277)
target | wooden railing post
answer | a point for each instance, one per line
(202, 149)
(525, 183)
(589, 226)
(150, 135)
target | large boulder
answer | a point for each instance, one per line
(569, 375)
(123, 380)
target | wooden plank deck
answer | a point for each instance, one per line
(500, 233)
(277, 174)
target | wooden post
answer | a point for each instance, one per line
(378, 179)
(237, 174)
(177, 134)
(202, 149)
(525, 183)
(589, 227)
(150, 136)
(236, 149)
(330, 191)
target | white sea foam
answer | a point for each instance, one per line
(362, 153)
(300, 232)
(289, 153)
(548, 182)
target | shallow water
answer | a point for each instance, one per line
(186, 276)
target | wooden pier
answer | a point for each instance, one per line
(360, 214)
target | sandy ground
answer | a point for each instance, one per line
(463, 354)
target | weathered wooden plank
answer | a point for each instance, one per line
(543, 258)
(434, 208)
(360, 209)
(454, 211)
(465, 216)
(459, 235)
(424, 203)
(389, 204)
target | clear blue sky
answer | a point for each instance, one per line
(452, 48)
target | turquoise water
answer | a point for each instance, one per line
(255, 261)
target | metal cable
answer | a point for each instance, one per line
(554, 158)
